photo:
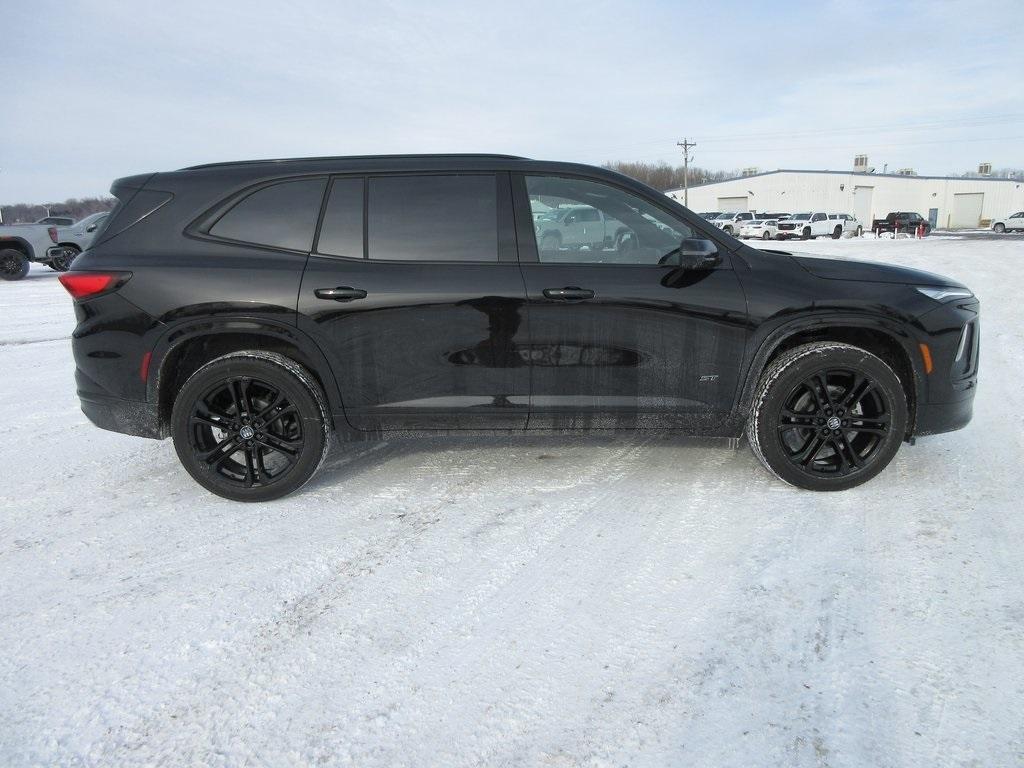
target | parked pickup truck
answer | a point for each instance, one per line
(901, 221)
(808, 226)
(850, 225)
(77, 238)
(577, 226)
(24, 243)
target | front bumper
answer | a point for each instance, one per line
(954, 338)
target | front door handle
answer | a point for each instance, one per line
(340, 294)
(568, 294)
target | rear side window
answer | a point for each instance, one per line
(433, 218)
(282, 215)
(341, 233)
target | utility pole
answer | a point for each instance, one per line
(686, 144)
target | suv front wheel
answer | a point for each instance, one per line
(827, 416)
(251, 426)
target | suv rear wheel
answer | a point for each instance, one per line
(827, 416)
(251, 426)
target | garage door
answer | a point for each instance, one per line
(732, 204)
(966, 210)
(862, 205)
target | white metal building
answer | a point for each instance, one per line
(949, 202)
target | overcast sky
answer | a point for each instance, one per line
(93, 91)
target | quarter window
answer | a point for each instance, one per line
(433, 218)
(341, 233)
(631, 230)
(282, 215)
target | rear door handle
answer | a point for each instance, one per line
(340, 294)
(568, 294)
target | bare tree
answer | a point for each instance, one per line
(75, 207)
(663, 176)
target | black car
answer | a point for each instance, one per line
(257, 311)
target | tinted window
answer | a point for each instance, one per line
(341, 233)
(433, 218)
(633, 231)
(282, 215)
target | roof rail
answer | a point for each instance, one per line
(466, 156)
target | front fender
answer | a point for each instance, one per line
(760, 350)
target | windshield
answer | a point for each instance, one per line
(725, 216)
(800, 216)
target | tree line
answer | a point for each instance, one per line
(74, 207)
(663, 176)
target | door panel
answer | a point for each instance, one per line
(655, 346)
(618, 337)
(421, 311)
(432, 346)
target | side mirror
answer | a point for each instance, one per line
(570, 220)
(91, 228)
(696, 253)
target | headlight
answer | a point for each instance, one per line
(944, 294)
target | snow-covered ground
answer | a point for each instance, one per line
(621, 601)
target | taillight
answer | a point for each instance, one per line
(86, 285)
(52, 231)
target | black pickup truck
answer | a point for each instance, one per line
(901, 221)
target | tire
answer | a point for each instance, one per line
(837, 233)
(13, 264)
(766, 235)
(788, 428)
(276, 431)
(806, 234)
(1000, 228)
(63, 264)
(860, 231)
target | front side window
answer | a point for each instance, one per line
(818, 217)
(433, 218)
(282, 215)
(630, 230)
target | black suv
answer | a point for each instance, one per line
(254, 311)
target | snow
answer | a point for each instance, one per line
(603, 601)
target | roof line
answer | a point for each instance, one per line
(466, 156)
(858, 174)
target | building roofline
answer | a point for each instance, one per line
(858, 174)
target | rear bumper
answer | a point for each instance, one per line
(130, 417)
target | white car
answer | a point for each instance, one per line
(731, 222)
(763, 229)
(808, 226)
(1015, 221)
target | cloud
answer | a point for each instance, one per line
(101, 92)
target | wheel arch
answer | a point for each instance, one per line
(881, 339)
(17, 244)
(181, 351)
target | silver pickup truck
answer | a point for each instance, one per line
(21, 244)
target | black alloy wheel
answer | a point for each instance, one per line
(832, 422)
(13, 264)
(827, 416)
(63, 262)
(250, 427)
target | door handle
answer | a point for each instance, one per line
(340, 294)
(568, 294)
